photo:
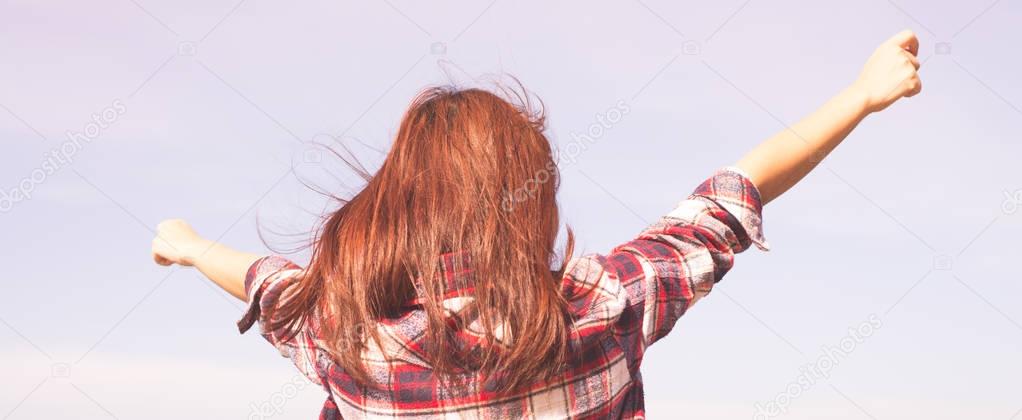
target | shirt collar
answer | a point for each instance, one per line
(457, 274)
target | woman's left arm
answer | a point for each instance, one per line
(783, 160)
(177, 243)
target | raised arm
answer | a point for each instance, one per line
(652, 280)
(781, 161)
(177, 243)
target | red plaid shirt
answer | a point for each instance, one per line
(639, 290)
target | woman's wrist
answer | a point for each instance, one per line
(195, 249)
(858, 98)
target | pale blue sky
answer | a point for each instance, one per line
(212, 101)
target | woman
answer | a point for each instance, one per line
(430, 293)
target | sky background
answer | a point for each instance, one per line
(913, 221)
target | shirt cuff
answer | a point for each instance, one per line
(255, 284)
(731, 189)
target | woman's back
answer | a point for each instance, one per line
(618, 305)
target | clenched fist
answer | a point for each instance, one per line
(891, 72)
(177, 243)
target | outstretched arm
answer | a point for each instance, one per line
(676, 261)
(177, 243)
(781, 161)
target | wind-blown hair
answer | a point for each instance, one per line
(468, 171)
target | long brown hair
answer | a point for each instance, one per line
(471, 172)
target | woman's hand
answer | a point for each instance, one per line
(783, 160)
(177, 243)
(891, 72)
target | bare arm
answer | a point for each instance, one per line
(774, 166)
(783, 160)
(177, 243)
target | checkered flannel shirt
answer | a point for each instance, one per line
(621, 303)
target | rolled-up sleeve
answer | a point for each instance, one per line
(677, 260)
(267, 285)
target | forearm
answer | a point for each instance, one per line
(225, 266)
(783, 160)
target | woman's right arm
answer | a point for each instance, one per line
(177, 243)
(783, 160)
(262, 281)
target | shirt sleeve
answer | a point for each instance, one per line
(677, 260)
(267, 285)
